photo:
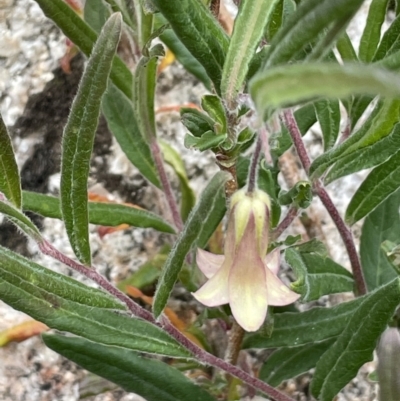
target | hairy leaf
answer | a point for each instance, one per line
(380, 225)
(148, 378)
(198, 216)
(10, 183)
(328, 114)
(64, 304)
(200, 33)
(78, 138)
(80, 33)
(294, 329)
(356, 343)
(104, 214)
(380, 183)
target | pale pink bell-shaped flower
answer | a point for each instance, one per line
(245, 277)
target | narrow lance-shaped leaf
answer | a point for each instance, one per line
(118, 111)
(104, 214)
(64, 304)
(80, 33)
(380, 225)
(372, 31)
(345, 48)
(390, 42)
(293, 328)
(346, 156)
(78, 138)
(356, 344)
(287, 363)
(316, 275)
(143, 94)
(148, 378)
(328, 114)
(95, 13)
(188, 236)
(10, 183)
(307, 23)
(201, 34)
(293, 84)
(381, 182)
(249, 27)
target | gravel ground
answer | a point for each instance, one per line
(30, 50)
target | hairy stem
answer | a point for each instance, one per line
(159, 162)
(286, 222)
(347, 238)
(294, 132)
(203, 356)
(344, 231)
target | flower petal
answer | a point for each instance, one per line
(215, 291)
(248, 295)
(278, 293)
(208, 262)
(273, 261)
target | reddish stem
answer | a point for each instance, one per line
(286, 222)
(138, 311)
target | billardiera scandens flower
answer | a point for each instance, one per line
(245, 277)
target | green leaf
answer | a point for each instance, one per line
(198, 216)
(380, 183)
(81, 34)
(317, 275)
(197, 122)
(20, 220)
(104, 214)
(287, 363)
(208, 140)
(345, 48)
(379, 125)
(199, 32)
(188, 197)
(48, 284)
(78, 138)
(144, 91)
(311, 18)
(390, 42)
(380, 225)
(149, 378)
(213, 106)
(95, 13)
(248, 30)
(127, 15)
(356, 343)
(64, 304)
(328, 114)
(366, 157)
(372, 32)
(10, 183)
(292, 84)
(118, 111)
(182, 54)
(294, 329)
(282, 10)
(300, 195)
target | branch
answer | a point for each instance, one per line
(286, 222)
(344, 231)
(252, 177)
(203, 356)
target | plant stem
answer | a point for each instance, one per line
(203, 356)
(294, 132)
(252, 177)
(344, 231)
(347, 238)
(234, 344)
(285, 223)
(159, 162)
